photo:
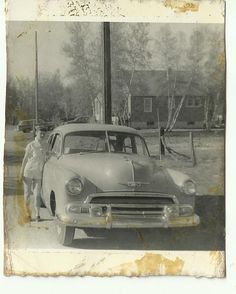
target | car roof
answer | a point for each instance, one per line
(68, 128)
(26, 120)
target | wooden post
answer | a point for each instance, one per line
(36, 84)
(159, 132)
(192, 151)
(158, 119)
(107, 73)
(162, 147)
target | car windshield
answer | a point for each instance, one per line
(99, 141)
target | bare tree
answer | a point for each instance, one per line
(84, 51)
(130, 52)
(214, 77)
(172, 51)
(194, 65)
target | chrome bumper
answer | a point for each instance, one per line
(129, 216)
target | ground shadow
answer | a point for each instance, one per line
(209, 235)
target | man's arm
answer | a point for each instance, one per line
(25, 159)
(46, 151)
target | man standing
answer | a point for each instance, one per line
(31, 171)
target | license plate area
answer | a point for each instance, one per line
(127, 210)
(139, 211)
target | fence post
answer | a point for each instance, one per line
(33, 130)
(192, 151)
(162, 147)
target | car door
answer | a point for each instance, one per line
(50, 167)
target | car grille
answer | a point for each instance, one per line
(161, 200)
(135, 206)
(133, 211)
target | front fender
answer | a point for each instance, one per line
(178, 177)
(57, 178)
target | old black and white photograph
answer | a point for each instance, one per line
(114, 142)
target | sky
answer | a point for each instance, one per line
(51, 36)
(21, 47)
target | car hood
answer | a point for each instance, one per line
(120, 172)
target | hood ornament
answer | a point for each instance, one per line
(134, 184)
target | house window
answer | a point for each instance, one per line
(150, 123)
(198, 102)
(191, 123)
(147, 104)
(193, 102)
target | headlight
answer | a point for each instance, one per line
(172, 210)
(189, 187)
(74, 186)
(186, 210)
(179, 210)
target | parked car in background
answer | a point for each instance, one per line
(47, 125)
(102, 176)
(79, 119)
(219, 122)
(26, 126)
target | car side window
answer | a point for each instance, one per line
(56, 144)
(50, 142)
(141, 150)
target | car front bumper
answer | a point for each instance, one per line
(95, 216)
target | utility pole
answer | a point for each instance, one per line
(107, 73)
(36, 79)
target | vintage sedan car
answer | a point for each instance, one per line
(79, 120)
(26, 126)
(102, 176)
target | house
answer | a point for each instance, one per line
(148, 102)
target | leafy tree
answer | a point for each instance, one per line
(50, 96)
(20, 102)
(80, 102)
(19, 99)
(11, 102)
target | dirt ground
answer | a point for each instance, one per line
(208, 172)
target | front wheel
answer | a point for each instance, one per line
(65, 234)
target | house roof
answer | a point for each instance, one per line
(154, 83)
